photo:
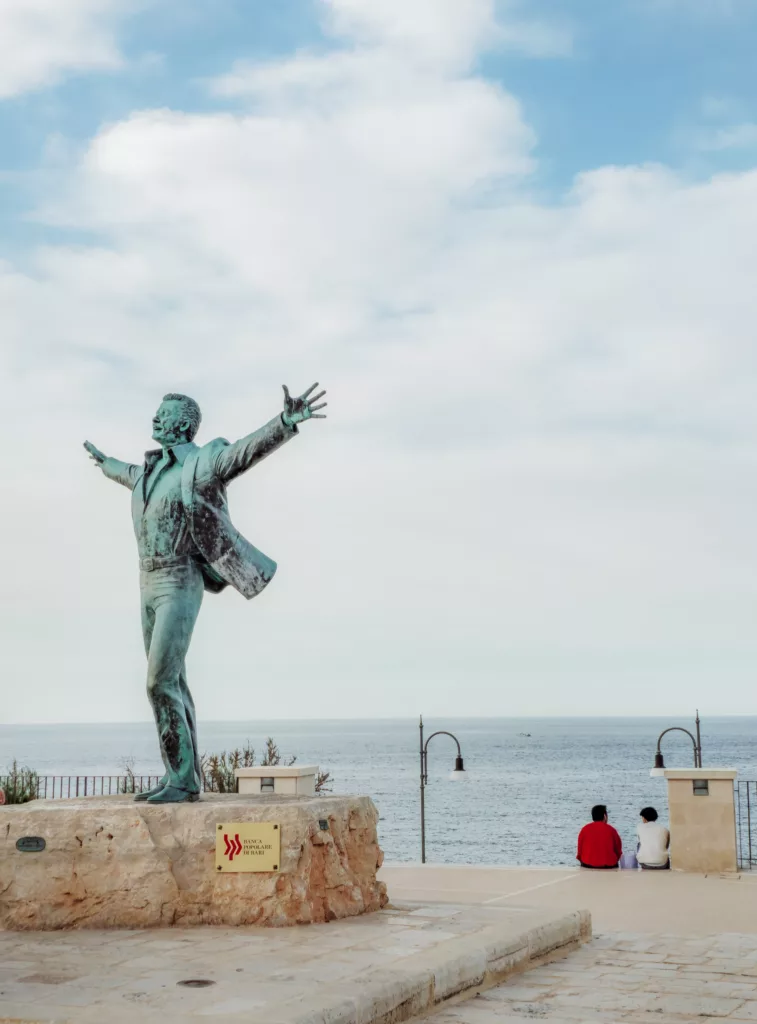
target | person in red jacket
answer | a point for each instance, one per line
(599, 845)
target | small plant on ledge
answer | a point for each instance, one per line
(218, 769)
(19, 785)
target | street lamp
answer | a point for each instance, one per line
(457, 773)
(696, 740)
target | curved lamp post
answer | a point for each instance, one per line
(457, 773)
(696, 740)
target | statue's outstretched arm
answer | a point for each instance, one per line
(233, 459)
(125, 473)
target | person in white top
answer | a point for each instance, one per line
(654, 841)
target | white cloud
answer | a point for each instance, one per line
(41, 40)
(734, 136)
(720, 108)
(536, 38)
(538, 474)
(728, 126)
(446, 30)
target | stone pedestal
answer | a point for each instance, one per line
(109, 862)
(702, 819)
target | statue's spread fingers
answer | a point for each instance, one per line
(318, 416)
(315, 408)
(316, 397)
(311, 388)
(286, 393)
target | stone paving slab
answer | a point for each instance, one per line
(382, 968)
(626, 977)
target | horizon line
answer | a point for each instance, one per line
(389, 718)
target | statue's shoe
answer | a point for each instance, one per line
(172, 795)
(150, 792)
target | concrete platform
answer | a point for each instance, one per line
(622, 977)
(384, 967)
(619, 901)
(667, 947)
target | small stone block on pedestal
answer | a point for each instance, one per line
(289, 780)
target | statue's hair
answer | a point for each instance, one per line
(191, 408)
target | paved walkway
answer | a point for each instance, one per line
(397, 960)
(670, 949)
(663, 979)
(625, 901)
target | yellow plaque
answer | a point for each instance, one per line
(248, 846)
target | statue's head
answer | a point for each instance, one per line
(176, 421)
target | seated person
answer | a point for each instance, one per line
(654, 840)
(599, 845)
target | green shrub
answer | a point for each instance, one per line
(218, 769)
(19, 785)
(129, 784)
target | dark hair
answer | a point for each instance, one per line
(598, 812)
(649, 813)
(191, 410)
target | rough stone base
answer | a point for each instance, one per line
(112, 863)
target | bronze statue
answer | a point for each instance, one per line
(187, 544)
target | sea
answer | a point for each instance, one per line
(528, 787)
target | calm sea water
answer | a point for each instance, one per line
(528, 788)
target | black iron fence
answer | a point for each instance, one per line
(746, 823)
(63, 787)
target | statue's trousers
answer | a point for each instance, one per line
(171, 599)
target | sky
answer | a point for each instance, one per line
(517, 243)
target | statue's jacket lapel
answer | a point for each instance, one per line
(230, 558)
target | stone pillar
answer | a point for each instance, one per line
(702, 819)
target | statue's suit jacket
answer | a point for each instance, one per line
(227, 557)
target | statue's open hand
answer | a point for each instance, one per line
(95, 454)
(298, 409)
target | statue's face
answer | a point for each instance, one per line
(170, 424)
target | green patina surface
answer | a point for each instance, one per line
(187, 544)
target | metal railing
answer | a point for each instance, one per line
(64, 787)
(746, 822)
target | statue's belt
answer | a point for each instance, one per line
(149, 564)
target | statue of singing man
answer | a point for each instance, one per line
(187, 544)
